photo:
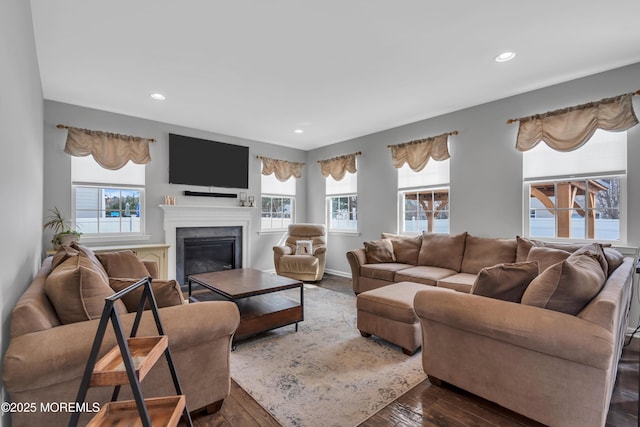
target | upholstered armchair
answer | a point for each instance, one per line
(302, 257)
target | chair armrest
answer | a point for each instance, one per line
(57, 355)
(545, 331)
(356, 258)
(282, 250)
(319, 250)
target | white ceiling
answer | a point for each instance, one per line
(337, 69)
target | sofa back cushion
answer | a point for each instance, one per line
(77, 289)
(405, 248)
(569, 285)
(123, 264)
(481, 252)
(442, 250)
(506, 282)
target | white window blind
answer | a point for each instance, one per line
(347, 185)
(435, 173)
(87, 170)
(605, 152)
(271, 185)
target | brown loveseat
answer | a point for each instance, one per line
(46, 358)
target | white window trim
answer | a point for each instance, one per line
(623, 207)
(90, 238)
(327, 211)
(401, 192)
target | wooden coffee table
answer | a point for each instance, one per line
(258, 296)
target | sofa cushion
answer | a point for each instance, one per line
(614, 259)
(461, 282)
(299, 264)
(123, 264)
(77, 290)
(596, 251)
(524, 245)
(166, 293)
(378, 251)
(62, 254)
(405, 248)
(88, 252)
(566, 286)
(546, 257)
(506, 282)
(424, 274)
(481, 252)
(393, 302)
(383, 271)
(442, 250)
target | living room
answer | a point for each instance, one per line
(486, 185)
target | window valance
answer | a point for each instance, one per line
(417, 153)
(337, 167)
(282, 169)
(569, 128)
(110, 150)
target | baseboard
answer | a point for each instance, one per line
(338, 273)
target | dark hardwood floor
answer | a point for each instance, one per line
(428, 405)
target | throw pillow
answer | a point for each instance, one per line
(92, 257)
(166, 292)
(123, 264)
(304, 247)
(595, 251)
(442, 250)
(546, 257)
(506, 282)
(378, 251)
(77, 290)
(566, 286)
(405, 248)
(61, 255)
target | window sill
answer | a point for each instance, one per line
(344, 233)
(272, 232)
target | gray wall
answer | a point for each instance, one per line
(486, 170)
(21, 160)
(57, 171)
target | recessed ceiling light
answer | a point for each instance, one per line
(158, 96)
(505, 56)
(298, 131)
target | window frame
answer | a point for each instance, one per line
(293, 211)
(117, 236)
(416, 190)
(622, 207)
(328, 211)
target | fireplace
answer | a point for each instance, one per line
(204, 249)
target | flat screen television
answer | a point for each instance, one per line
(195, 161)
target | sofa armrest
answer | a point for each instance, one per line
(356, 258)
(40, 359)
(545, 331)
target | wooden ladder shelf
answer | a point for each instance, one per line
(128, 363)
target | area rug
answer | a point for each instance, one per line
(325, 374)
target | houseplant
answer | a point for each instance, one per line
(63, 235)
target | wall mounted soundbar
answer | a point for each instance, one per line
(202, 194)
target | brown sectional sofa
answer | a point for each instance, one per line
(552, 366)
(46, 358)
(432, 259)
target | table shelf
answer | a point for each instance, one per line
(163, 411)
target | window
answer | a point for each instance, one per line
(107, 202)
(424, 198)
(342, 203)
(278, 202)
(577, 194)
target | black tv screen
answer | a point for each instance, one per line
(195, 161)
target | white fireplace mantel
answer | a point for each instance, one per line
(178, 216)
